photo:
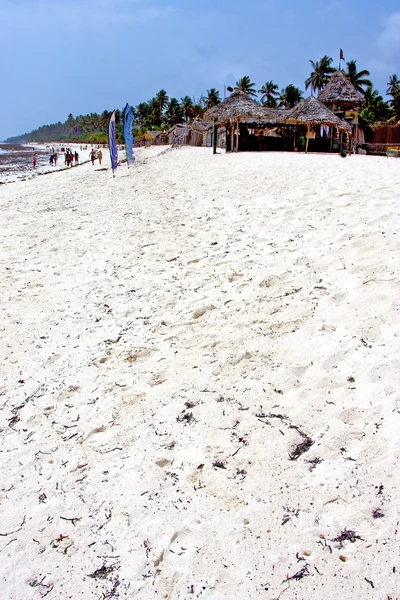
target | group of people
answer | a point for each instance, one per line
(94, 155)
(70, 157)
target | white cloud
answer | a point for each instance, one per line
(389, 38)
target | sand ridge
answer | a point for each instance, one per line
(200, 374)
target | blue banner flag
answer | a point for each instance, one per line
(112, 143)
(128, 136)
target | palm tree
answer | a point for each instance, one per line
(268, 92)
(212, 98)
(105, 119)
(187, 107)
(155, 115)
(245, 85)
(322, 70)
(393, 88)
(376, 109)
(162, 99)
(174, 112)
(142, 112)
(290, 96)
(357, 78)
(197, 111)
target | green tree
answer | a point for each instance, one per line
(142, 112)
(376, 109)
(394, 91)
(245, 85)
(187, 108)
(197, 111)
(320, 75)
(290, 96)
(395, 104)
(174, 112)
(212, 98)
(162, 99)
(155, 115)
(357, 78)
(269, 92)
(105, 119)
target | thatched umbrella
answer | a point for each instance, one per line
(341, 93)
(312, 112)
(238, 107)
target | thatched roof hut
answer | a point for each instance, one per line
(237, 107)
(340, 93)
(312, 112)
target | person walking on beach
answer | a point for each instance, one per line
(34, 161)
(92, 156)
(55, 157)
(76, 158)
(100, 156)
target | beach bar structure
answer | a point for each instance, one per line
(250, 126)
(342, 98)
(236, 109)
(311, 113)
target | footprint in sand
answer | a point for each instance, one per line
(139, 354)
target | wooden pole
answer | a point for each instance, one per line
(237, 135)
(331, 143)
(233, 138)
(307, 138)
(214, 130)
(294, 137)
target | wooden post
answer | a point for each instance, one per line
(331, 143)
(294, 137)
(214, 130)
(237, 135)
(307, 139)
(233, 138)
(356, 139)
(341, 142)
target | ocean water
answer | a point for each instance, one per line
(16, 161)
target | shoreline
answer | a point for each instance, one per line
(29, 173)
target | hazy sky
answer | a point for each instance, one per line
(84, 56)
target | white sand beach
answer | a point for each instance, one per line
(200, 379)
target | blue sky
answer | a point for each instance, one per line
(84, 56)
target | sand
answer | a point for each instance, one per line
(200, 379)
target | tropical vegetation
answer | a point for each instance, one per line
(244, 84)
(358, 78)
(269, 92)
(320, 75)
(162, 112)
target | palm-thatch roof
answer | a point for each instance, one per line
(271, 116)
(239, 106)
(340, 91)
(312, 111)
(201, 125)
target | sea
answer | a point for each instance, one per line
(16, 161)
